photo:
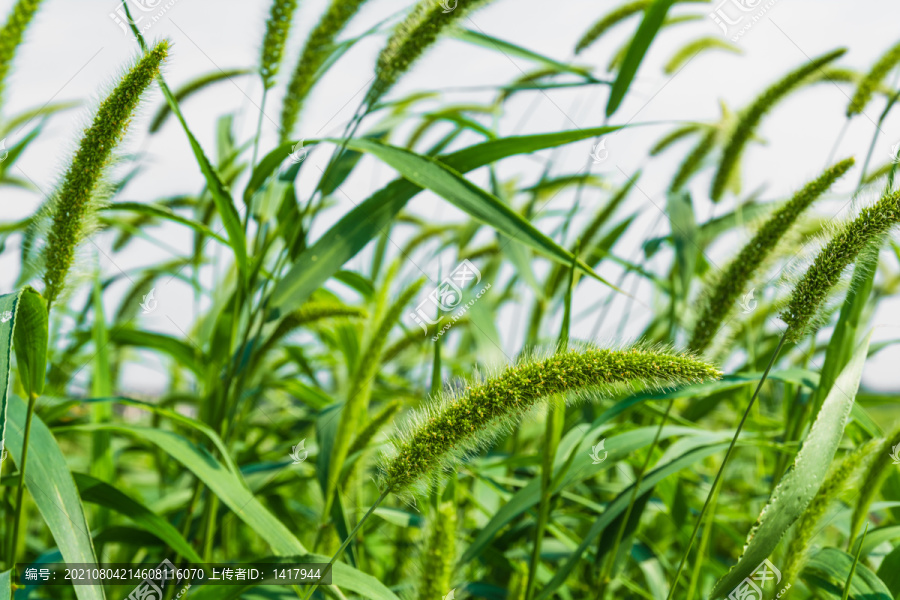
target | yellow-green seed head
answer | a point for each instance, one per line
(825, 272)
(456, 425)
(720, 299)
(754, 114)
(872, 81)
(72, 205)
(315, 53)
(413, 36)
(12, 33)
(278, 27)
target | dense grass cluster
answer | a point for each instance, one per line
(332, 354)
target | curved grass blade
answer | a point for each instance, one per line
(828, 570)
(654, 16)
(51, 487)
(230, 488)
(190, 88)
(798, 487)
(315, 265)
(618, 506)
(27, 309)
(97, 492)
(164, 212)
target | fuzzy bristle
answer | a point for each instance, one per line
(455, 425)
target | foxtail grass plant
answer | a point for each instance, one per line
(74, 204)
(751, 117)
(805, 302)
(719, 300)
(455, 425)
(438, 553)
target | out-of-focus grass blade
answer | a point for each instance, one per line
(228, 486)
(188, 89)
(183, 353)
(617, 506)
(450, 185)
(849, 581)
(51, 486)
(828, 569)
(164, 212)
(354, 231)
(492, 43)
(889, 572)
(654, 16)
(797, 488)
(97, 492)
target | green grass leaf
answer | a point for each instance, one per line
(27, 309)
(654, 16)
(315, 265)
(797, 488)
(829, 568)
(229, 487)
(51, 486)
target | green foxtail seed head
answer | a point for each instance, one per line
(673, 136)
(754, 114)
(457, 424)
(872, 80)
(413, 36)
(694, 159)
(438, 553)
(309, 313)
(12, 33)
(691, 49)
(720, 299)
(72, 205)
(278, 27)
(315, 53)
(826, 270)
(609, 20)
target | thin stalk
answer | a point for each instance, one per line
(620, 534)
(704, 544)
(724, 464)
(20, 488)
(259, 123)
(556, 419)
(346, 542)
